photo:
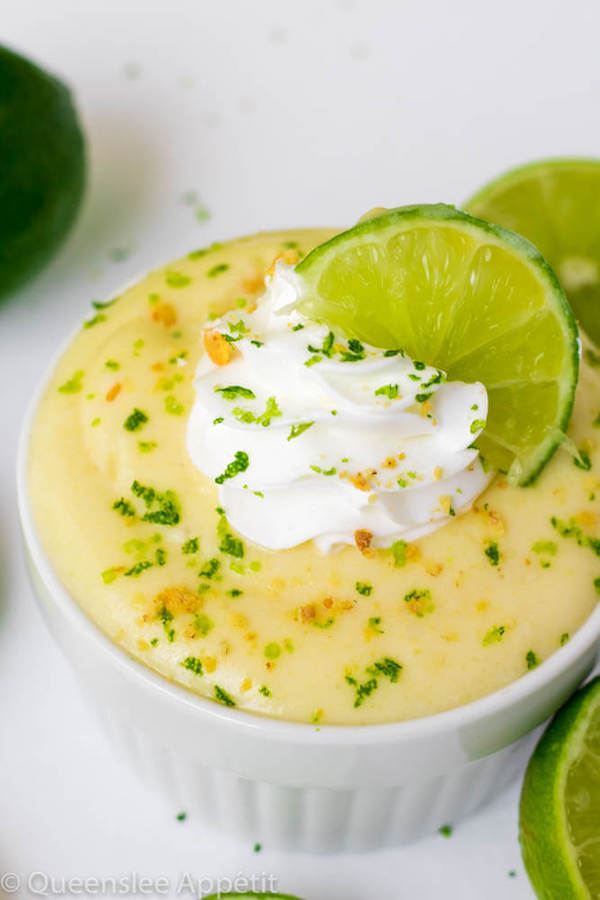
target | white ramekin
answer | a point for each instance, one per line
(295, 786)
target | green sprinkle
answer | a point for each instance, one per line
(363, 588)
(95, 422)
(255, 566)
(95, 320)
(192, 545)
(326, 624)
(597, 585)
(257, 848)
(386, 667)
(363, 690)
(388, 390)
(154, 642)
(160, 557)
(136, 570)
(564, 638)
(109, 575)
(112, 364)
(239, 464)
(193, 664)
(531, 660)
(419, 601)
(135, 420)
(177, 279)
(147, 446)
(232, 546)
(445, 831)
(173, 407)
(223, 697)
(398, 549)
(298, 327)
(203, 624)
(272, 650)
(218, 420)
(492, 552)
(217, 270)
(74, 385)
(299, 429)
(419, 365)
(477, 425)
(166, 617)
(163, 508)
(373, 623)
(181, 817)
(313, 361)
(235, 390)
(494, 635)
(210, 568)
(123, 507)
(264, 690)
(388, 353)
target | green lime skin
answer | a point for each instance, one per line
(555, 203)
(42, 176)
(559, 826)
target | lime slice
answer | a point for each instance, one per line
(555, 203)
(560, 803)
(471, 298)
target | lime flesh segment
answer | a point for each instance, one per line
(560, 803)
(471, 298)
(555, 203)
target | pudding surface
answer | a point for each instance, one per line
(136, 533)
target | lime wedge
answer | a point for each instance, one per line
(555, 203)
(471, 298)
(560, 803)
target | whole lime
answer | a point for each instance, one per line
(42, 174)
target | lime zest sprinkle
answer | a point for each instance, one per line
(362, 587)
(193, 664)
(223, 697)
(492, 552)
(297, 430)
(135, 420)
(239, 464)
(73, 385)
(235, 390)
(494, 635)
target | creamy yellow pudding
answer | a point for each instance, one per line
(356, 636)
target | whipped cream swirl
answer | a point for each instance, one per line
(310, 435)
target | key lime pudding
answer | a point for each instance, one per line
(330, 485)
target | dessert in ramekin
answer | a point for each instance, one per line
(316, 628)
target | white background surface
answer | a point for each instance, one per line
(276, 114)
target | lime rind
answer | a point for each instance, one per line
(400, 220)
(548, 852)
